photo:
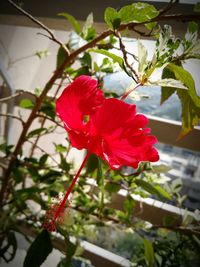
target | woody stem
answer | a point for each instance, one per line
(62, 204)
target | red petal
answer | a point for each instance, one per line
(118, 137)
(81, 98)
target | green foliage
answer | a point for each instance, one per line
(114, 57)
(26, 103)
(76, 26)
(136, 12)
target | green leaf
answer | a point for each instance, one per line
(148, 253)
(48, 108)
(166, 91)
(111, 17)
(61, 57)
(112, 187)
(43, 159)
(92, 164)
(161, 168)
(88, 32)
(26, 103)
(186, 78)
(5, 148)
(114, 57)
(36, 132)
(72, 20)
(39, 250)
(189, 114)
(152, 189)
(137, 12)
(169, 82)
(60, 148)
(192, 26)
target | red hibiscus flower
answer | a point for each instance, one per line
(109, 128)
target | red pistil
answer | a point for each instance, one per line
(56, 212)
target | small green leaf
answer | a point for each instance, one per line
(26, 103)
(72, 20)
(61, 56)
(152, 189)
(39, 250)
(111, 17)
(148, 253)
(36, 132)
(60, 148)
(114, 57)
(112, 187)
(43, 159)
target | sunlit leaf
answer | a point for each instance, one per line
(72, 20)
(169, 82)
(114, 57)
(26, 103)
(111, 17)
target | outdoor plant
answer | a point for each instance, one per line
(114, 137)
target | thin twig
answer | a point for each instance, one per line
(43, 151)
(19, 92)
(168, 7)
(125, 57)
(12, 116)
(51, 34)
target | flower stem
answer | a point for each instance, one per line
(124, 96)
(57, 210)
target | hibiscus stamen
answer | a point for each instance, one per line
(56, 212)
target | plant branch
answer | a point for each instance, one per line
(168, 7)
(12, 116)
(51, 34)
(123, 49)
(18, 93)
